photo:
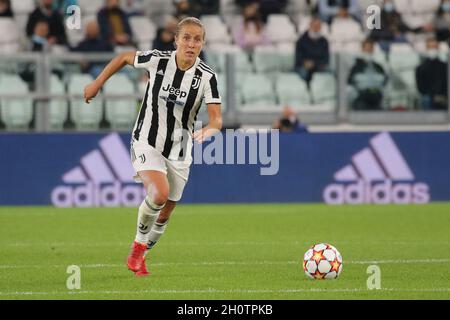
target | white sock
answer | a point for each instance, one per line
(148, 213)
(156, 233)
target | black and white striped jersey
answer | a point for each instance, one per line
(172, 101)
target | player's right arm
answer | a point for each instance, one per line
(121, 60)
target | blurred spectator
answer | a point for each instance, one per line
(312, 51)
(251, 31)
(183, 9)
(165, 37)
(93, 43)
(368, 78)
(441, 23)
(62, 5)
(114, 25)
(38, 43)
(5, 9)
(39, 39)
(44, 11)
(393, 28)
(431, 79)
(328, 9)
(201, 7)
(267, 7)
(289, 122)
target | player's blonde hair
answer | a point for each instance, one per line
(187, 21)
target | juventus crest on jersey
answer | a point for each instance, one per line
(172, 101)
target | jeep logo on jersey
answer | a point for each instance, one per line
(175, 91)
(103, 178)
(377, 174)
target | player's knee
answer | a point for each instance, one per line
(158, 196)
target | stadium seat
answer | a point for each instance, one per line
(266, 59)
(144, 30)
(416, 13)
(323, 89)
(403, 60)
(286, 56)
(22, 6)
(280, 28)
(292, 90)
(9, 36)
(15, 113)
(217, 31)
(301, 6)
(233, 20)
(257, 92)
(58, 107)
(223, 89)
(85, 116)
(120, 112)
(345, 30)
(444, 51)
(218, 52)
(396, 93)
(161, 8)
(229, 7)
(90, 7)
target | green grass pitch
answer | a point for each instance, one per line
(227, 252)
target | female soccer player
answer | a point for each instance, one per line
(163, 134)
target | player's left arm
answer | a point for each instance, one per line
(215, 123)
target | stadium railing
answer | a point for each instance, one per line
(253, 94)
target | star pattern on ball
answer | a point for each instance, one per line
(318, 256)
(335, 265)
(319, 275)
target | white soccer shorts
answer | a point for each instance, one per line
(145, 157)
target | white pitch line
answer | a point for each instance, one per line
(224, 243)
(211, 290)
(225, 263)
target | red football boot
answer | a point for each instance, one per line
(136, 256)
(142, 272)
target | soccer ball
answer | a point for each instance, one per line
(322, 261)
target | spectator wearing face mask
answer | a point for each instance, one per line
(431, 79)
(368, 79)
(289, 122)
(45, 11)
(312, 51)
(393, 28)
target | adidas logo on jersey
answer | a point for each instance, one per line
(103, 178)
(160, 72)
(377, 174)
